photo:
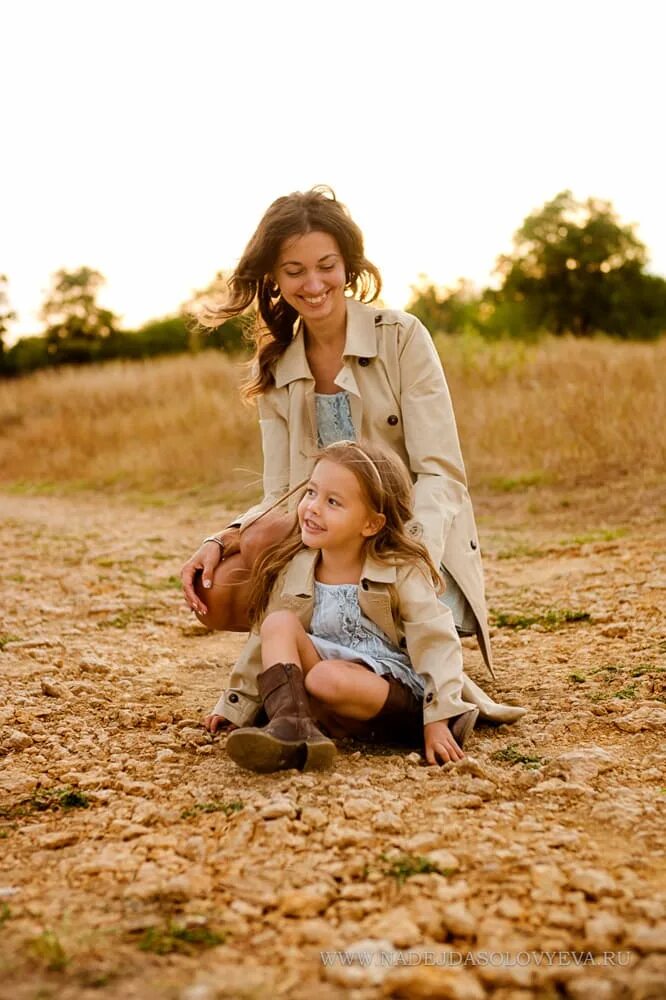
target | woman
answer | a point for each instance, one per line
(330, 366)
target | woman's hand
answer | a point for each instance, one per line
(440, 743)
(213, 723)
(205, 560)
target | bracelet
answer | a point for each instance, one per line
(212, 538)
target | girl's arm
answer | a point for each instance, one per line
(431, 437)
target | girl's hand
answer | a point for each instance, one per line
(215, 722)
(440, 743)
(205, 560)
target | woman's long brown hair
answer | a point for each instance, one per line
(317, 210)
(386, 489)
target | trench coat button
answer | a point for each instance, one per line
(392, 420)
(364, 362)
(364, 584)
(473, 544)
(415, 530)
(429, 698)
(378, 320)
(233, 697)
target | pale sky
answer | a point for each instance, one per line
(145, 138)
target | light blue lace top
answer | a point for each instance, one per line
(334, 423)
(334, 419)
(340, 631)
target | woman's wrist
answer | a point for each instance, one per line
(214, 538)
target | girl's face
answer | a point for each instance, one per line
(333, 515)
(311, 275)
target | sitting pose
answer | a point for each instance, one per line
(349, 635)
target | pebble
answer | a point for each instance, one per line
(51, 689)
(429, 982)
(444, 859)
(459, 920)
(647, 717)
(593, 882)
(580, 765)
(647, 939)
(387, 822)
(602, 930)
(17, 740)
(314, 817)
(54, 841)
(397, 926)
(307, 902)
(358, 808)
(369, 969)
(277, 808)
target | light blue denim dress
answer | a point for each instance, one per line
(340, 631)
(334, 423)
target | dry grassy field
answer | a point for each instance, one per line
(137, 862)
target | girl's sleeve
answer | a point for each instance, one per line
(275, 447)
(433, 646)
(431, 438)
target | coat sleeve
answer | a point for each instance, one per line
(433, 646)
(431, 438)
(275, 447)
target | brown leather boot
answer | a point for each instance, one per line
(291, 738)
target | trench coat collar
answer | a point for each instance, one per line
(299, 579)
(360, 342)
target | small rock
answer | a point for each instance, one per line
(470, 765)
(278, 807)
(603, 930)
(647, 939)
(52, 690)
(569, 789)
(358, 808)
(307, 902)
(53, 841)
(429, 982)
(547, 876)
(616, 630)
(425, 841)
(314, 817)
(458, 920)
(650, 717)
(340, 836)
(397, 926)
(16, 740)
(444, 860)
(580, 765)
(364, 964)
(593, 882)
(387, 822)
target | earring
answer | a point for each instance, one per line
(275, 291)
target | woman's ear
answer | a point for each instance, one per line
(374, 525)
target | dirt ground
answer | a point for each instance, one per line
(137, 861)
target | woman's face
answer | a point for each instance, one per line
(310, 272)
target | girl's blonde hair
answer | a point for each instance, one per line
(386, 489)
(317, 210)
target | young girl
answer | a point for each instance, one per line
(353, 639)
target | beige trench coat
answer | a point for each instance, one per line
(399, 398)
(426, 631)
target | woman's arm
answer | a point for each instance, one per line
(431, 437)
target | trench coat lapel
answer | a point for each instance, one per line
(374, 597)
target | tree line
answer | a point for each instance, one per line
(573, 269)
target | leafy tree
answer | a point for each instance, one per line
(7, 315)
(75, 324)
(449, 310)
(575, 268)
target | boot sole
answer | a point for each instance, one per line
(258, 751)
(319, 755)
